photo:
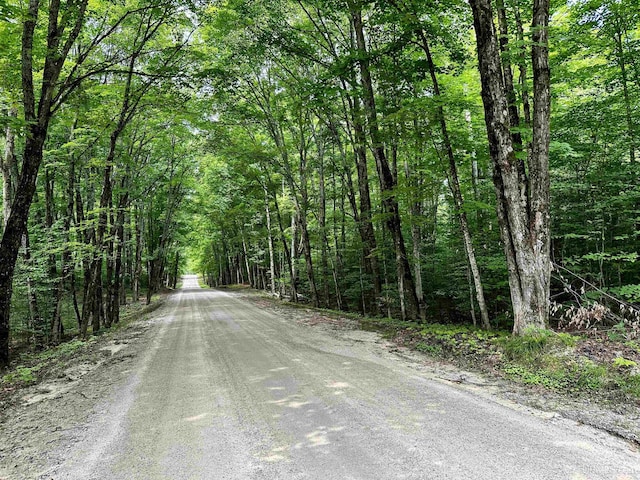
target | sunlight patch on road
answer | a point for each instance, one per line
(338, 385)
(196, 417)
(317, 438)
(278, 454)
(290, 402)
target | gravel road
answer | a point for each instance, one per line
(227, 390)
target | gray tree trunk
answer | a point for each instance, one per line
(524, 220)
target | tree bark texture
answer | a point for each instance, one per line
(524, 221)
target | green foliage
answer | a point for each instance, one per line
(21, 375)
(254, 111)
(623, 363)
(529, 347)
(35, 363)
(560, 374)
(630, 385)
(618, 332)
(429, 349)
(633, 345)
(533, 377)
(630, 293)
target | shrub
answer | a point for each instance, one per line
(621, 362)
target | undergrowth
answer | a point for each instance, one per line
(29, 367)
(31, 364)
(541, 358)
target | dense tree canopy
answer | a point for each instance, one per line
(441, 161)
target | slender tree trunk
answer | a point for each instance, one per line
(245, 255)
(55, 323)
(272, 266)
(117, 233)
(126, 257)
(110, 255)
(416, 240)
(322, 224)
(625, 93)
(176, 268)
(301, 203)
(365, 225)
(137, 263)
(35, 319)
(9, 169)
(454, 184)
(406, 287)
(67, 269)
(302, 207)
(288, 254)
(94, 289)
(294, 258)
(337, 264)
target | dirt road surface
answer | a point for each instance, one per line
(222, 389)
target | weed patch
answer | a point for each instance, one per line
(543, 358)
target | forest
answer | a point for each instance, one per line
(444, 161)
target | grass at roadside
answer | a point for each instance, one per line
(603, 365)
(577, 364)
(30, 367)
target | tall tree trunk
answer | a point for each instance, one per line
(454, 184)
(9, 169)
(67, 268)
(365, 225)
(302, 207)
(322, 223)
(55, 323)
(245, 255)
(110, 256)
(272, 267)
(361, 214)
(37, 120)
(176, 269)
(294, 258)
(625, 93)
(137, 263)
(35, 319)
(126, 257)
(114, 284)
(416, 241)
(288, 254)
(406, 287)
(524, 222)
